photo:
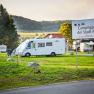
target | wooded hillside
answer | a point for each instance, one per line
(27, 25)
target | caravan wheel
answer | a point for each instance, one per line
(27, 54)
(53, 54)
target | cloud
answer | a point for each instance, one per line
(51, 9)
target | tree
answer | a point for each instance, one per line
(66, 31)
(8, 33)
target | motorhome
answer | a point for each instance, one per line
(45, 46)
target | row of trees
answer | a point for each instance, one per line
(8, 33)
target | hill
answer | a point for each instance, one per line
(27, 25)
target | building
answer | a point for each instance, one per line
(54, 35)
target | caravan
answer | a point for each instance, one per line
(41, 47)
(87, 46)
(3, 48)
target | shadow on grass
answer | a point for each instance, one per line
(40, 56)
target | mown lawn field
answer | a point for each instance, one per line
(17, 73)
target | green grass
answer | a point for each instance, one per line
(53, 69)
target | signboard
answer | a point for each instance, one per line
(83, 29)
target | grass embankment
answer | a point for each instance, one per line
(53, 69)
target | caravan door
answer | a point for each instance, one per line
(31, 48)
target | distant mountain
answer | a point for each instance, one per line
(27, 25)
(24, 24)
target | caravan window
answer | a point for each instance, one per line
(49, 44)
(41, 44)
(31, 45)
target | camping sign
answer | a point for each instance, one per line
(83, 29)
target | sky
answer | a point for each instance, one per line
(41, 10)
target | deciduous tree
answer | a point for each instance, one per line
(66, 31)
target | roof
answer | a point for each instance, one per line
(54, 35)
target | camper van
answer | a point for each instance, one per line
(45, 46)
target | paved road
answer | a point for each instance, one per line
(82, 87)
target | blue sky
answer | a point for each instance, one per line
(50, 9)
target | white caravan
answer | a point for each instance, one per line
(3, 48)
(41, 47)
(86, 46)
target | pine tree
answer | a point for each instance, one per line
(8, 33)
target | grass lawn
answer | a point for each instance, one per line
(53, 69)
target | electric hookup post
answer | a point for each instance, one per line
(10, 57)
(76, 56)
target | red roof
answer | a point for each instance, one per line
(53, 36)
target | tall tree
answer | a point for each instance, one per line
(66, 31)
(8, 33)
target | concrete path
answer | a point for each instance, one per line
(81, 87)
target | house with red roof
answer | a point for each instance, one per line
(54, 35)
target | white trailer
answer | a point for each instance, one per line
(31, 47)
(3, 48)
(86, 46)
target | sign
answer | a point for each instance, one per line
(83, 29)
